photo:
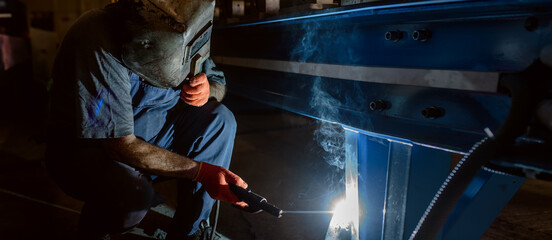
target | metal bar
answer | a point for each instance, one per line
(382, 9)
(351, 179)
(398, 173)
(450, 79)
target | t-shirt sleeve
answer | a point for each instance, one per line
(213, 73)
(103, 105)
(91, 92)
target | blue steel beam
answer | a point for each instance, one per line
(398, 178)
(467, 35)
(400, 152)
(485, 36)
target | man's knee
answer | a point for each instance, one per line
(119, 209)
(116, 200)
(225, 119)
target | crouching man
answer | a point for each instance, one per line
(125, 110)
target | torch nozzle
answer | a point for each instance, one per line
(255, 201)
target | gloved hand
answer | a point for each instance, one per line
(215, 179)
(196, 93)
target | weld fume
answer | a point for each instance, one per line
(329, 136)
(307, 46)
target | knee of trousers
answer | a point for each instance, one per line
(119, 206)
(225, 120)
(117, 214)
(217, 141)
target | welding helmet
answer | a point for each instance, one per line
(171, 42)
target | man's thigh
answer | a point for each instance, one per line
(202, 133)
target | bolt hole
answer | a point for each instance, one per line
(388, 36)
(373, 105)
(531, 24)
(432, 112)
(416, 35)
(425, 113)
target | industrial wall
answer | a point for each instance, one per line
(48, 22)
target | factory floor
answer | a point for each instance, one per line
(274, 152)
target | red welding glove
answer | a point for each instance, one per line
(215, 179)
(196, 92)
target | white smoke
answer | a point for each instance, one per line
(329, 136)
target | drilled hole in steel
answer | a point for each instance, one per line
(531, 24)
(432, 112)
(416, 35)
(388, 36)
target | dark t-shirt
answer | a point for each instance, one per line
(91, 92)
(91, 95)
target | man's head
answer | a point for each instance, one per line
(163, 45)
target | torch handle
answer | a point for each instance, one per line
(255, 201)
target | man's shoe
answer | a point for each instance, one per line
(204, 233)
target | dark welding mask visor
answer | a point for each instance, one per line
(169, 47)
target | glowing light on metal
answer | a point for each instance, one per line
(345, 221)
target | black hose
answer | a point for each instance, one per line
(521, 111)
(449, 193)
(528, 160)
(213, 231)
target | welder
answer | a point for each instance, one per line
(126, 109)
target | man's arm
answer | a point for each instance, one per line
(216, 90)
(159, 161)
(150, 158)
(217, 80)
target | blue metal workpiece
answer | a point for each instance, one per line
(397, 178)
(487, 195)
(395, 175)
(278, 61)
(467, 35)
(410, 82)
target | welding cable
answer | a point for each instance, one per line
(521, 87)
(528, 160)
(451, 190)
(497, 172)
(216, 220)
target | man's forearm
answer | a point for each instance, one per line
(217, 91)
(148, 157)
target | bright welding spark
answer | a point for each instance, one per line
(343, 213)
(344, 223)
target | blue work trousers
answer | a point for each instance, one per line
(204, 134)
(117, 196)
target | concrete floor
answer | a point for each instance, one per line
(274, 152)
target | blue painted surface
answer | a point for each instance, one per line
(486, 196)
(372, 168)
(467, 113)
(490, 36)
(397, 180)
(428, 168)
(467, 35)
(396, 196)
(395, 185)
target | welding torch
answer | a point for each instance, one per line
(257, 203)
